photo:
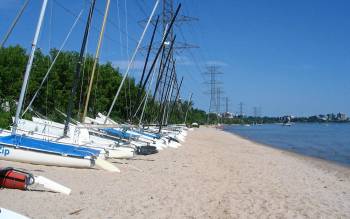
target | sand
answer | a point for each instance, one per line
(214, 174)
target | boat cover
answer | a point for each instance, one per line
(152, 135)
(21, 141)
(118, 133)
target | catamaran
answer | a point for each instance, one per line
(21, 148)
(103, 140)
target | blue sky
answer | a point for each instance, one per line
(287, 57)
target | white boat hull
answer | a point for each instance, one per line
(121, 153)
(35, 157)
(7, 214)
(104, 145)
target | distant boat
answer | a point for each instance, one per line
(287, 124)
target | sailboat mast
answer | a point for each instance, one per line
(175, 101)
(131, 61)
(167, 97)
(169, 101)
(146, 98)
(78, 68)
(138, 99)
(165, 66)
(165, 84)
(147, 57)
(97, 55)
(188, 106)
(29, 66)
(161, 46)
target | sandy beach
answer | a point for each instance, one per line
(214, 174)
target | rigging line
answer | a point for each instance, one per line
(29, 67)
(116, 26)
(50, 58)
(82, 78)
(96, 90)
(129, 90)
(194, 31)
(196, 88)
(127, 52)
(198, 69)
(52, 64)
(147, 94)
(83, 20)
(167, 98)
(132, 59)
(138, 108)
(50, 28)
(120, 33)
(203, 53)
(126, 103)
(83, 73)
(148, 53)
(126, 29)
(168, 30)
(191, 53)
(141, 8)
(14, 24)
(97, 55)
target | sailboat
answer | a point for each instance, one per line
(21, 148)
(132, 132)
(109, 140)
(80, 136)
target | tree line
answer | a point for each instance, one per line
(54, 95)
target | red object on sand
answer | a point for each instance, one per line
(15, 179)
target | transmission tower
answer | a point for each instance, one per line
(255, 112)
(227, 105)
(241, 112)
(214, 90)
(165, 17)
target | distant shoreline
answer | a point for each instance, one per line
(314, 160)
(297, 122)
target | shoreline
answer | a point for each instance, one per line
(319, 162)
(213, 174)
(339, 164)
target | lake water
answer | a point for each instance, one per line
(329, 141)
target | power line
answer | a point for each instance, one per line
(93, 26)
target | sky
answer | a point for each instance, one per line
(284, 57)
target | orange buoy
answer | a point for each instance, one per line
(15, 179)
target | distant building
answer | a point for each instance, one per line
(331, 117)
(322, 117)
(227, 115)
(341, 117)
